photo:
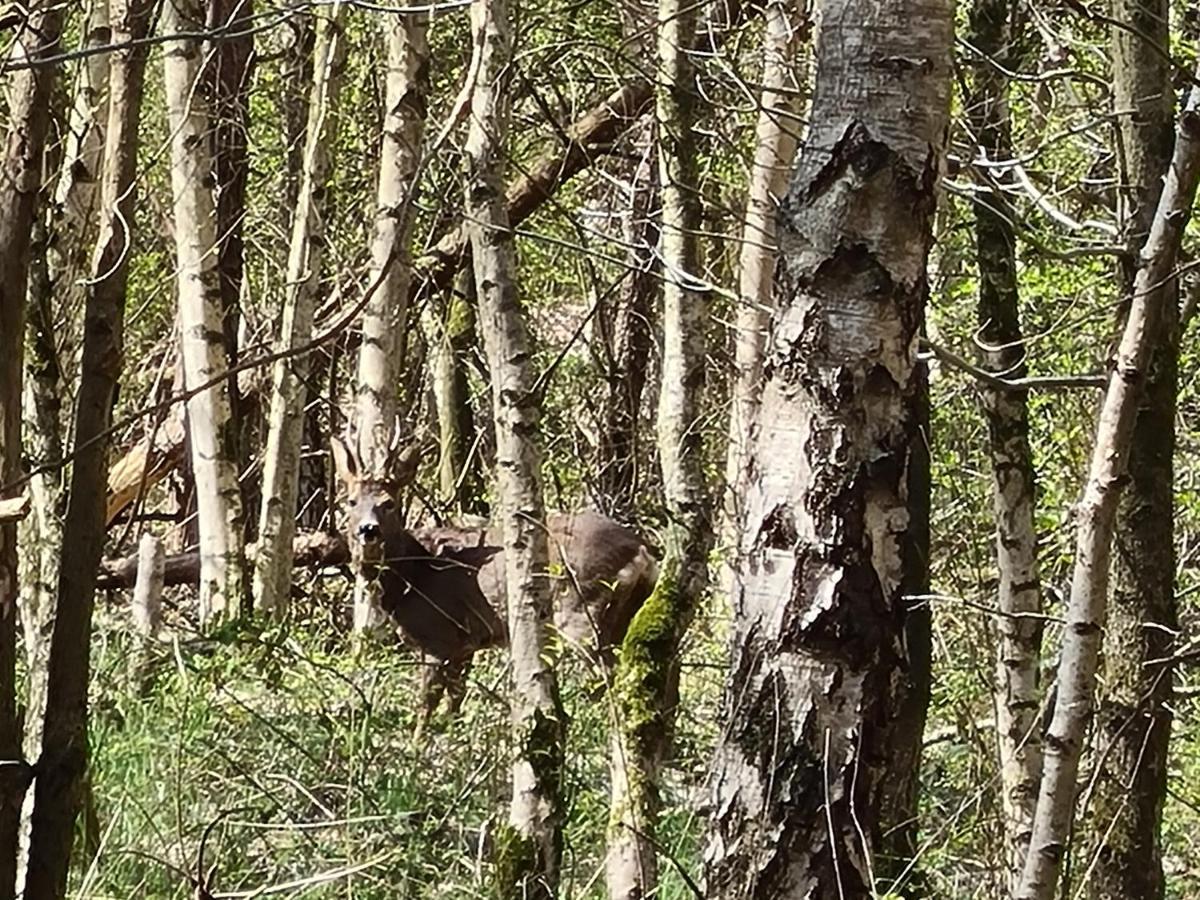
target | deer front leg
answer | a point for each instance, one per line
(433, 685)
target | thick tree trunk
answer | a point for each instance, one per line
(1097, 510)
(996, 33)
(529, 852)
(211, 429)
(820, 686)
(281, 458)
(20, 186)
(1133, 706)
(646, 681)
(775, 138)
(386, 312)
(63, 762)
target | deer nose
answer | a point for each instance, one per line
(368, 532)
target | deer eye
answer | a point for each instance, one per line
(387, 505)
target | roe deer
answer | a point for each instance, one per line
(445, 587)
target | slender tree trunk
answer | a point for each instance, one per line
(529, 852)
(66, 238)
(229, 72)
(20, 187)
(1097, 510)
(1133, 706)
(647, 673)
(775, 138)
(996, 34)
(627, 342)
(450, 336)
(211, 429)
(281, 458)
(63, 762)
(819, 688)
(386, 313)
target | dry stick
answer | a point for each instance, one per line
(1096, 512)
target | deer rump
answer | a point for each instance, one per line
(448, 590)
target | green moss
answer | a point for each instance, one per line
(514, 856)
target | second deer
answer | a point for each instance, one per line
(446, 589)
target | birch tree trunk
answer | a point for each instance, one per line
(211, 429)
(1134, 701)
(997, 30)
(775, 138)
(386, 312)
(20, 186)
(55, 319)
(820, 673)
(229, 71)
(281, 458)
(63, 762)
(646, 681)
(529, 851)
(1086, 611)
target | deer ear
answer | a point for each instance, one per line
(345, 461)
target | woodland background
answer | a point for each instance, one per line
(241, 747)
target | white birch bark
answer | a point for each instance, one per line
(285, 422)
(533, 841)
(1096, 513)
(646, 678)
(201, 320)
(775, 137)
(386, 312)
(997, 28)
(819, 682)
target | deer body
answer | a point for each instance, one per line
(446, 589)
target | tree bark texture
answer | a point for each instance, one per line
(1133, 706)
(63, 762)
(450, 334)
(20, 188)
(997, 29)
(228, 74)
(529, 853)
(212, 431)
(821, 673)
(775, 137)
(386, 313)
(646, 680)
(1097, 510)
(285, 422)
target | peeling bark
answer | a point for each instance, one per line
(775, 138)
(821, 677)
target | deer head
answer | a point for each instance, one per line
(372, 498)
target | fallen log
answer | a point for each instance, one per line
(310, 549)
